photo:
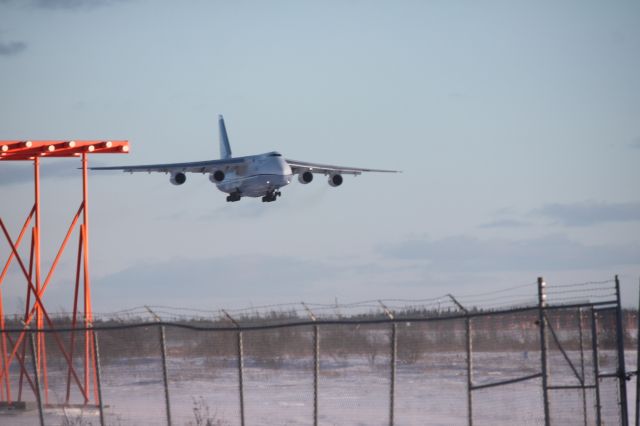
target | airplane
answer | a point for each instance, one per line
(255, 176)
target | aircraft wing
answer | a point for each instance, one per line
(303, 166)
(194, 167)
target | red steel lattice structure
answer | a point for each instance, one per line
(36, 315)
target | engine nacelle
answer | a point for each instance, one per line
(217, 176)
(305, 177)
(178, 178)
(335, 180)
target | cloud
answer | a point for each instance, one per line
(212, 281)
(553, 252)
(591, 212)
(11, 174)
(242, 210)
(504, 223)
(66, 4)
(12, 48)
(73, 4)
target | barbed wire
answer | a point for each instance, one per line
(502, 290)
(504, 297)
(511, 304)
(586, 283)
(586, 299)
(551, 292)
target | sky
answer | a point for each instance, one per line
(516, 126)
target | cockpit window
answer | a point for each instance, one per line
(275, 154)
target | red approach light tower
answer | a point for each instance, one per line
(79, 365)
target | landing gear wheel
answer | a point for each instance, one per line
(270, 196)
(234, 196)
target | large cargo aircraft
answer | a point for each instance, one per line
(259, 175)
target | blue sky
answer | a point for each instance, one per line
(515, 125)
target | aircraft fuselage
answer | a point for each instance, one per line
(260, 174)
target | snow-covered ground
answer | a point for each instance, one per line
(352, 390)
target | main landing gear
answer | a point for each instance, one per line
(234, 196)
(271, 196)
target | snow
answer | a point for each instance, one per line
(353, 390)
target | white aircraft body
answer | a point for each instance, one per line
(259, 175)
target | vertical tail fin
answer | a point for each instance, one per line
(225, 148)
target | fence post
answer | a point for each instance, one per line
(467, 326)
(165, 379)
(584, 390)
(36, 374)
(164, 373)
(392, 361)
(240, 364)
(596, 367)
(316, 363)
(98, 374)
(542, 302)
(622, 374)
(638, 362)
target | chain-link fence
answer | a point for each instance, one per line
(444, 362)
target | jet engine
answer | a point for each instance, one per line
(217, 176)
(335, 179)
(178, 178)
(305, 177)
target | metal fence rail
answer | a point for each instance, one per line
(540, 363)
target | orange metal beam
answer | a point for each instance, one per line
(38, 306)
(18, 241)
(30, 150)
(75, 311)
(23, 371)
(13, 150)
(5, 359)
